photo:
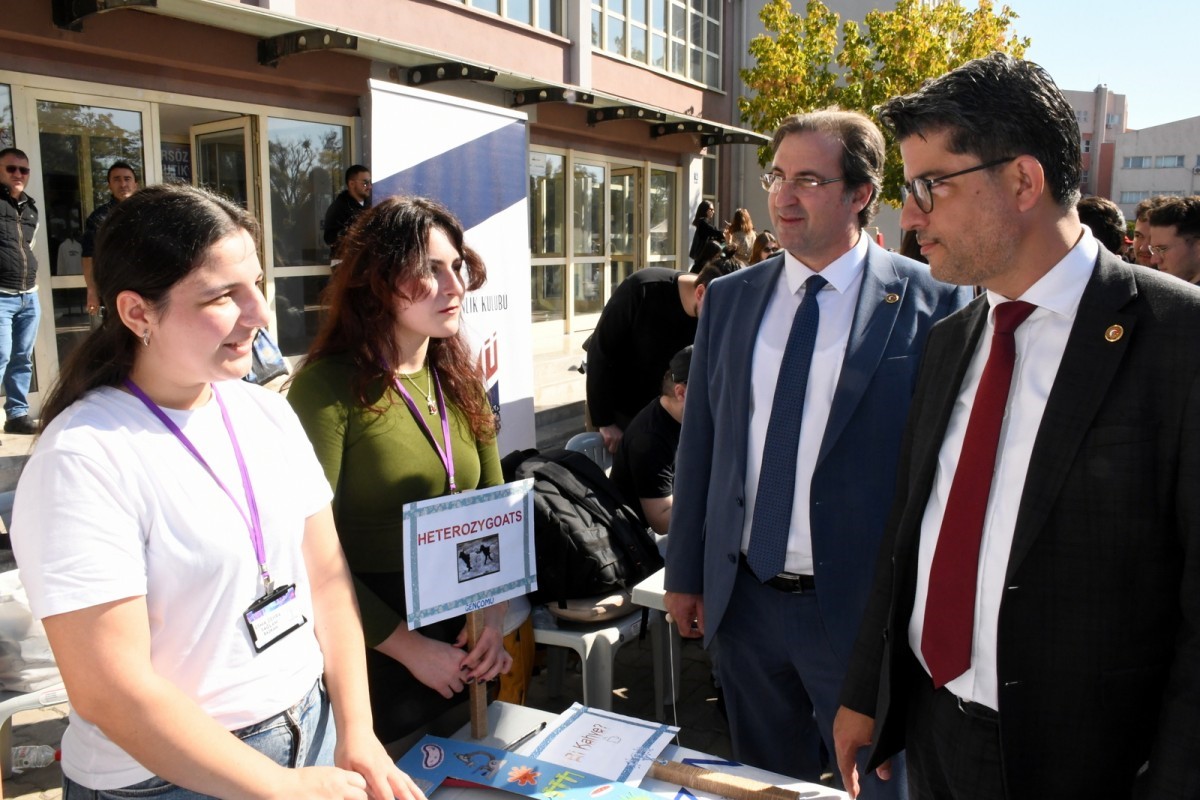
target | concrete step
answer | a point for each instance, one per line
(554, 426)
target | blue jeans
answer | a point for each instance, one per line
(19, 316)
(302, 736)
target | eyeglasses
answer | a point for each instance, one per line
(921, 189)
(773, 182)
(13, 169)
(1161, 249)
(365, 181)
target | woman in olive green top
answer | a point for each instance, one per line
(389, 374)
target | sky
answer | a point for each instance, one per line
(1144, 49)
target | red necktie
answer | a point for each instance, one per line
(950, 604)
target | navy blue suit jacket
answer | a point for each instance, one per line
(856, 470)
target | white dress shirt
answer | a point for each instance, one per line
(1040, 342)
(836, 302)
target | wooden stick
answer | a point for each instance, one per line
(479, 720)
(720, 783)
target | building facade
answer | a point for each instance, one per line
(1102, 117)
(629, 104)
(1163, 159)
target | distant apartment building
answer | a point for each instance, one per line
(1102, 117)
(1164, 159)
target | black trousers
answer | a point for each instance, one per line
(953, 748)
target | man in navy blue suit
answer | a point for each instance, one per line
(785, 636)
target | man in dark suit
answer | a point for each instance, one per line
(795, 455)
(1059, 656)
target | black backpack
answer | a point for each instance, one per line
(588, 541)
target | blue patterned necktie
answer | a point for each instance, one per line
(777, 478)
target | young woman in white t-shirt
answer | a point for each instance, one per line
(173, 532)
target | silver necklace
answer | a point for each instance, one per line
(427, 392)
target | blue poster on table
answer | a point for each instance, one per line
(433, 760)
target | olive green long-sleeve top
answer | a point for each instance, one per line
(376, 463)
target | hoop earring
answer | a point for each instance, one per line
(146, 337)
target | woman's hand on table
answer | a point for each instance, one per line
(359, 751)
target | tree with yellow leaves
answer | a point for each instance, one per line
(800, 68)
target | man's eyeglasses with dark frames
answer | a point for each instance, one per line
(13, 169)
(921, 189)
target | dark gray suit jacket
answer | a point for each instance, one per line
(1099, 632)
(852, 484)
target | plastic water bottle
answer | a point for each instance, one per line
(33, 756)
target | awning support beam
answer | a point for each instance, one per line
(271, 51)
(70, 14)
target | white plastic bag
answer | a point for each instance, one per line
(26, 663)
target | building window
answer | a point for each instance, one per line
(1083, 178)
(1133, 197)
(547, 205)
(1168, 161)
(308, 169)
(667, 35)
(544, 14)
(6, 117)
(592, 223)
(1085, 146)
(1112, 121)
(1136, 162)
(1081, 116)
(547, 234)
(663, 215)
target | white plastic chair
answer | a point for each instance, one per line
(16, 702)
(591, 444)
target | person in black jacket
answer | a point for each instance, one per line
(19, 307)
(350, 202)
(705, 230)
(649, 318)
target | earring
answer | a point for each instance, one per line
(146, 337)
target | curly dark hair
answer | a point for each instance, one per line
(384, 257)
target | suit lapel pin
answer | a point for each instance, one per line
(1114, 333)
(891, 297)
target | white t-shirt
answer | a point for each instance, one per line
(112, 505)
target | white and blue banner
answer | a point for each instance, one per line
(471, 157)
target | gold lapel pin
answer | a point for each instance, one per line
(1114, 333)
(892, 297)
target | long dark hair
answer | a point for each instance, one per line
(384, 256)
(149, 243)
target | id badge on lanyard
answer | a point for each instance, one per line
(276, 613)
(273, 616)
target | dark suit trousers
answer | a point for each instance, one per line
(781, 681)
(953, 749)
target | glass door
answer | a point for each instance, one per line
(624, 224)
(589, 213)
(223, 160)
(78, 141)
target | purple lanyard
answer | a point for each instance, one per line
(447, 455)
(253, 523)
